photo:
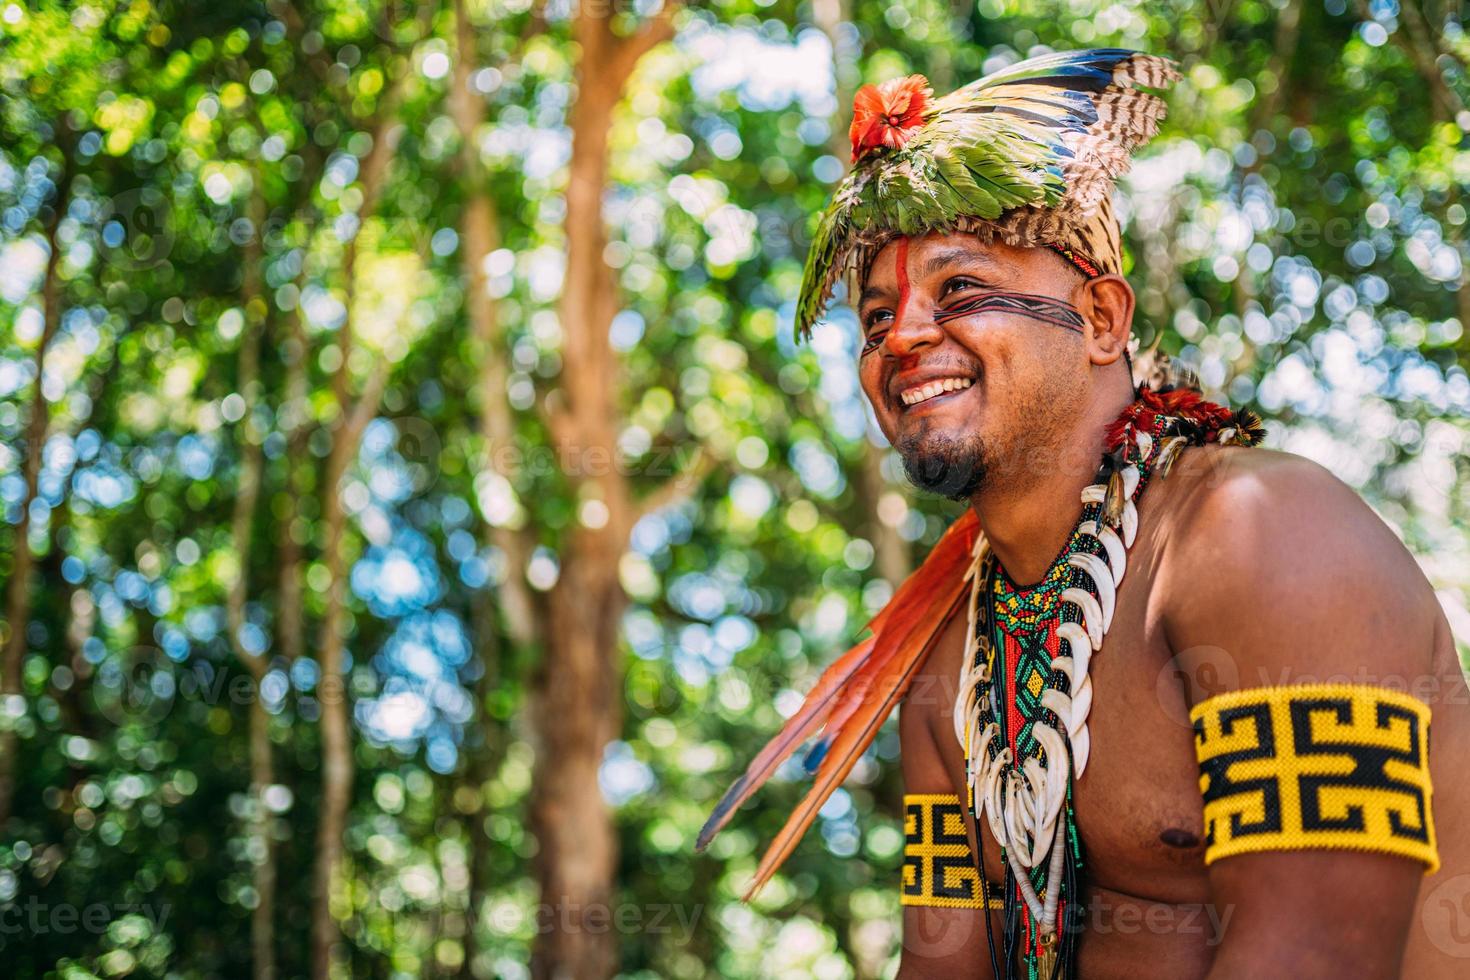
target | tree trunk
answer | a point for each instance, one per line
(336, 735)
(261, 851)
(18, 591)
(290, 612)
(333, 691)
(479, 233)
(480, 757)
(576, 711)
(262, 777)
(576, 692)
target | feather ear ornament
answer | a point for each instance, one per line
(853, 697)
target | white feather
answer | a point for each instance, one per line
(1145, 444)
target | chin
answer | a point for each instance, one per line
(940, 463)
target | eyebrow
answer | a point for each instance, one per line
(937, 263)
(951, 256)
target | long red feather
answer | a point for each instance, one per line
(857, 693)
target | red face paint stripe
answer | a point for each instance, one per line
(902, 255)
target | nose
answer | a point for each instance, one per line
(914, 331)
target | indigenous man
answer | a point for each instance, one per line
(1216, 766)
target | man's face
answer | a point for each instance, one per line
(1015, 383)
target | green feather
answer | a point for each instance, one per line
(982, 203)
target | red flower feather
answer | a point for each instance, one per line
(883, 115)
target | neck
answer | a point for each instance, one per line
(1028, 510)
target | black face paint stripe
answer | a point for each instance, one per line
(1045, 309)
(873, 341)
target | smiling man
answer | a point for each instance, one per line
(1166, 698)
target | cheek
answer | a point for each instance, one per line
(870, 371)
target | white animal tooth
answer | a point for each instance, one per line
(992, 809)
(1130, 481)
(1097, 570)
(1081, 748)
(1117, 554)
(1056, 769)
(1058, 702)
(1040, 843)
(1112, 544)
(1091, 613)
(1094, 494)
(1015, 817)
(1036, 789)
(1081, 705)
(988, 792)
(1080, 646)
(1145, 444)
(1066, 665)
(1130, 523)
(1024, 795)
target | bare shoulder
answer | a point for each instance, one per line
(1276, 561)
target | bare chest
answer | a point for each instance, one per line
(1137, 803)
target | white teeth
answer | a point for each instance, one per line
(924, 392)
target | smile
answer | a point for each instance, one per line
(932, 389)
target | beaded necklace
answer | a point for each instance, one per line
(1025, 690)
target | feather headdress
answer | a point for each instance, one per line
(1026, 155)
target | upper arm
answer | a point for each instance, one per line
(1284, 571)
(938, 943)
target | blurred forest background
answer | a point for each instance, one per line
(416, 509)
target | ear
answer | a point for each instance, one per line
(1106, 305)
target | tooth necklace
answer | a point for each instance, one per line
(1025, 691)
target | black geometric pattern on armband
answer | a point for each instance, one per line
(1315, 766)
(938, 864)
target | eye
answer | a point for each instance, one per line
(959, 284)
(876, 316)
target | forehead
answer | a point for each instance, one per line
(932, 254)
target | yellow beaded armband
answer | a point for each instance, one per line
(938, 864)
(1315, 766)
